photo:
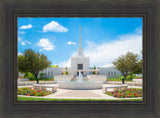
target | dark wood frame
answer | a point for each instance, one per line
(146, 9)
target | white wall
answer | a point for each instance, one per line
(109, 71)
(63, 77)
(97, 78)
(50, 72)
(80, 60)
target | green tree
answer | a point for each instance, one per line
(66, 72)
(54, 66)
(32, 62)
(126, 64)
(21, 64)
(138, 67)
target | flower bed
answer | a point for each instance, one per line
(139, 78)
(129, 93)
(31, 92)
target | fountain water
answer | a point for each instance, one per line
(80, 77)
(80, 83)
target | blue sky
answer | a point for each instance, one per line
(103, 39)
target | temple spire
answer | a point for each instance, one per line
(80, 51)
(79, 36)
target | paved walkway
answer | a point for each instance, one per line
(79, 94)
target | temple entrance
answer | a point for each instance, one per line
(80, 67)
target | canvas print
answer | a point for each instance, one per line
(82, 58)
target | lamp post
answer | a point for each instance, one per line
(37, 78)
(123, 81)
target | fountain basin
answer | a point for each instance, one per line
(80, 85)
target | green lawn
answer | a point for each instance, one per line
(117, 79)
(51, 99)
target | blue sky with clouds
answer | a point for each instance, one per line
(103, 39)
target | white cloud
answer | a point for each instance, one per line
(68, 62)
(54, 26)
(46, 44)
(26, 26)
(28, 42)
(65, 64)
(20, 53)
(71, 43)
(23, 43)
(19, 39)
(138, 30)
(103, 54)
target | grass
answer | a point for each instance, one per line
(117, 79)
(54, 99)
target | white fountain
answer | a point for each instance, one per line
(80, 77)
(80, 84)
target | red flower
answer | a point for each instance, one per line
(42, 93)
(135, 94)
(129, 94)
(34, 93)
(120, 94)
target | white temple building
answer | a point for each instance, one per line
(80, 63)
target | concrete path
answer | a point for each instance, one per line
(80, 94)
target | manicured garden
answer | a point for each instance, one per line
(28, 91)
(129, 93)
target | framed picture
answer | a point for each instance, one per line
(79, 61)
(55, 68)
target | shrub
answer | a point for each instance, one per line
(130, 77)
(40, 75)
(66, 72)
(32, 79)
(29, 75)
